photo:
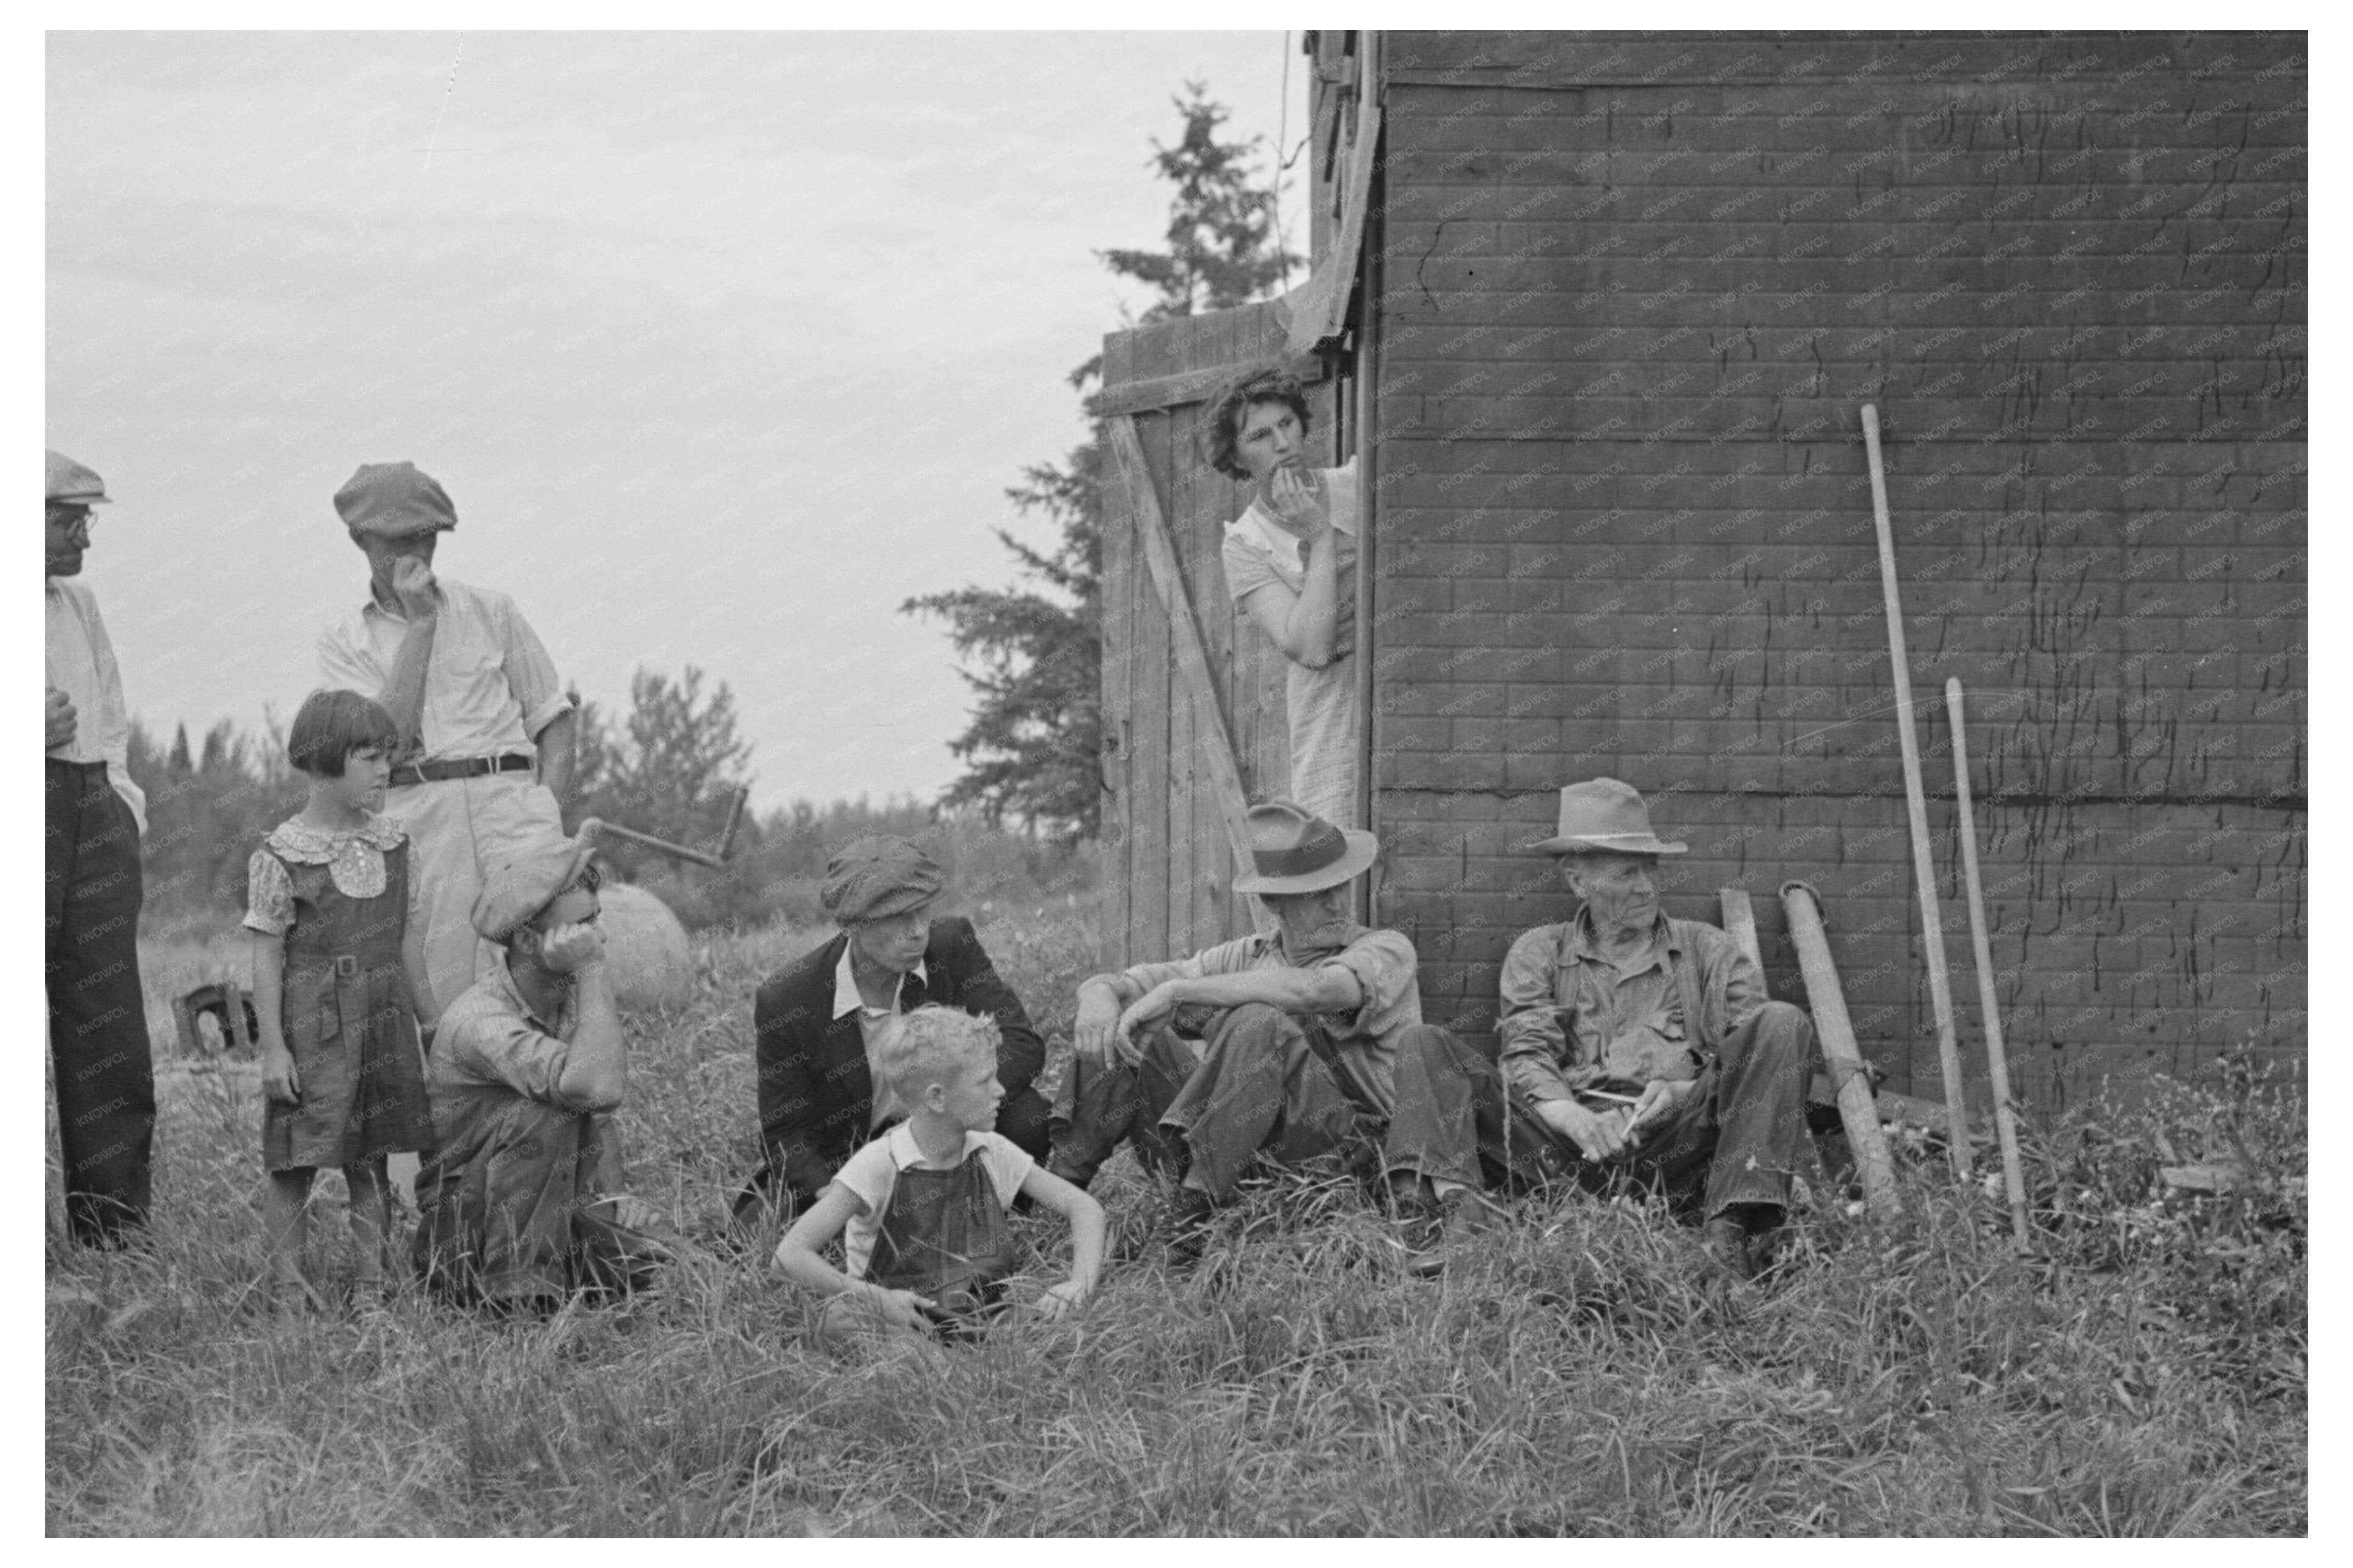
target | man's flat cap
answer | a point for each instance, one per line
(69, 481)
(396, 500)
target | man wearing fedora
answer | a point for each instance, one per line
(97, 1018)
(487, 730)
(1638, 1046)
(1316, 1046)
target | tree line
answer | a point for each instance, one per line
(1034, 654)
(669, 763)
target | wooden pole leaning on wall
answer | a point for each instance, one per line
(1858, 1109)
(2005, 1122)
(1924, 866)
(1740, 923)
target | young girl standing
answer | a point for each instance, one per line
(339, 1057)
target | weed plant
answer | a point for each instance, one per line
(2140, 1372)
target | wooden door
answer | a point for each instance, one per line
(1192, 699)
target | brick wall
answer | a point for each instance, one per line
(1632, 294)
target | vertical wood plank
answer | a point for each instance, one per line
(1116, 839)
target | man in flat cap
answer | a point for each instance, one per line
(1316, 1046)
(522, 1199)
(97, 1015)
(817, 1022)
(1640, 1048)
(487, 731)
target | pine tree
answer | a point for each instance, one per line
(1032, 750)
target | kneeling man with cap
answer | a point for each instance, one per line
(1638, 1046)
(522, 1199)
(1318, 1047)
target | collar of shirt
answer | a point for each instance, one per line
(905, 1152)
(845, 1000)
(1584, 943)
(506, 982)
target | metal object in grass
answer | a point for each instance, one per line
(1858, 1109)
(229, 1005)
(714, 859)
(1924, 866)
(2005, 1121)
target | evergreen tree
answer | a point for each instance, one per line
(1032, 750)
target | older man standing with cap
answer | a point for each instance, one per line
(522, 1198)
(97, 1017)
(487, 729)
(1317, 1047)
(1642, 1046)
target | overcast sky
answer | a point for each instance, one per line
(723, 344)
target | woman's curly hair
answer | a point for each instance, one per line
(1231, 406)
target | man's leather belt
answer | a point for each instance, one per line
(409, 773)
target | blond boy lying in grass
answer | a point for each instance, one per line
(922, 1210)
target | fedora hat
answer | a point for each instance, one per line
(1604, 814)
(1295, 851)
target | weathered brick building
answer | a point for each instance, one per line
(1599, 313)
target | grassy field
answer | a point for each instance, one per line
(2143, 1374)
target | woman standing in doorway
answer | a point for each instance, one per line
(1290, 565)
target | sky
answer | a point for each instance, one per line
(723, 344)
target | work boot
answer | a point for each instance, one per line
(1725, 1241)
(1184, 1227)
(1468, 1213)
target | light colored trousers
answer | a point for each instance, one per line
(461, 828)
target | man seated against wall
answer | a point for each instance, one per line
(1637, 1049)
(1315, 1046)
(520, 1201)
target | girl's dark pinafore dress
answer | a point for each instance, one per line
(944, 1236)
(350, 1026)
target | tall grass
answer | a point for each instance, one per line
(2142, 1373)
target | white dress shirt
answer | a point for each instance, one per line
(490, 686)
(81, 665)
(870, 1020)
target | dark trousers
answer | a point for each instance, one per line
(98, 1016)
(1735, 1139)
(1261, 1088)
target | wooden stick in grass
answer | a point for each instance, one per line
(2005, 1122)
(1858, 1108)
(1924, 866)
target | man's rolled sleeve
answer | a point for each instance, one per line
(1531, 1040)
(1383, 963)
(343, 667)
(1143, 977)
(505, 1049)
(530, 673)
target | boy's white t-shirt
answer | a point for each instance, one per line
(872, 1173)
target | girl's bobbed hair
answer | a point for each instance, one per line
(330, 725)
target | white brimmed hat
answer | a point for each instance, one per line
(1604, 814)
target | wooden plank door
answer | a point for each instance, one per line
(1168, 807)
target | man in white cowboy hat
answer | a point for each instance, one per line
(97, 1021)
(1638, 1044)
(1317, 1046)
(487, 730)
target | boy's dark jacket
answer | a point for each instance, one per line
(816, 1093)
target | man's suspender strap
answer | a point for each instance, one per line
(1685, 936)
